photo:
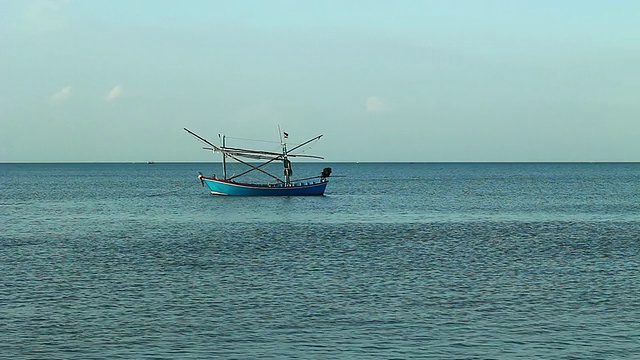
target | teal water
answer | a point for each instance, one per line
(443, 261)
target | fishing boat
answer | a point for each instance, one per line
(285, 186)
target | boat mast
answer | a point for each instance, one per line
(285, 161)
(224, 158)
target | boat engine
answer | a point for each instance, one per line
(326, 172)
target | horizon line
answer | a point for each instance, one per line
(347, 162)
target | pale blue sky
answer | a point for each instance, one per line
(383, 80)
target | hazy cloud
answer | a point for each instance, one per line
(115, 93)
(62, 95)
(376, 104)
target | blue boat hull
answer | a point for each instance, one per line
(225, 187)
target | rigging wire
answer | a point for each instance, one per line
(276, 149)
(246, 139)
(262, 141)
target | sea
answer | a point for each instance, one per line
(396, 261)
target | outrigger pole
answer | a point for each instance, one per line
(217, 148)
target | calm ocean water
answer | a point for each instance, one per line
(443, 261)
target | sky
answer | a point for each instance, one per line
(423, 80)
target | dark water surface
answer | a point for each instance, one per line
(443, 261)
